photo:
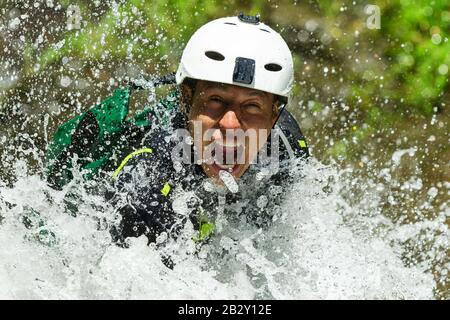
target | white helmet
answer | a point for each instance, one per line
(240, 51)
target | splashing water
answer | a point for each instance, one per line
(229, 181)
(317, 247)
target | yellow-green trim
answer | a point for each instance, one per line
(206, 228)
(205, 231)
(128, 157)
(302, 143)
(166, 189)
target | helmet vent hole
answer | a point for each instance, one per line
(231, 23)
(265, 30)
(213, 55)
(273, 67)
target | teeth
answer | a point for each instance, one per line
(228, 149)
(225, 166)
(227, 145)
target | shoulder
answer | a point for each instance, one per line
(152, 159)
(291, 130)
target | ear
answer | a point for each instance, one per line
(275, 111)
(187, 95)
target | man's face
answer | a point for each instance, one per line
(229, 124)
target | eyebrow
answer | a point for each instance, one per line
(225, 87)
(261, 94)
(216, 85)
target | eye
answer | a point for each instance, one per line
(252, 107)
(216, 99)
(216, 103)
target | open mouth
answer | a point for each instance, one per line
(227, 156)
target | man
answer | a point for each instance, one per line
(234, 77)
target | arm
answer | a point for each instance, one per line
(142, 197)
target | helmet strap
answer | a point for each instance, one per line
(281, 109)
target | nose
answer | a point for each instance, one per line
(229, 121)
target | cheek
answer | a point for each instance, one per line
(265, 122)
(255, 142)
(262, 129)
(198, 126)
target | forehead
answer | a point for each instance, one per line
(208, 86)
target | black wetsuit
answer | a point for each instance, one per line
(148, 188)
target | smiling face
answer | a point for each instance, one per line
(229, 124)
